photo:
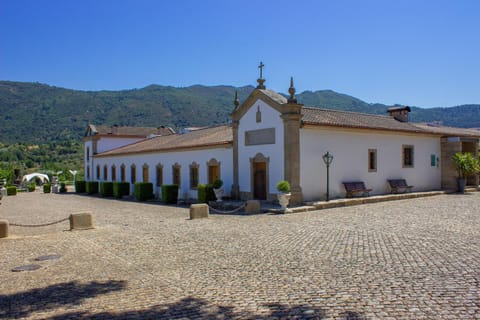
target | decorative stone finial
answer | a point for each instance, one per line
(291, 90)
(236, 102)
(261, 80)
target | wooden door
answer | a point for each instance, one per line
(260, 180)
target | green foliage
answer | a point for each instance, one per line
(170, 193)
(143, 191)
(47, 188)
(80, 186)
(6, 172)
(63, 187)
(121, 189)
(210, 194)
(466, 164)
(201, 193)
(217, 184)
(48, 158)
(205, 193)
(283, 186)
(31, 187)
(106, 189)
(91, 187)
(11, 191)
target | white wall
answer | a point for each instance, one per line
(168, 159)
(103, 145)
(270, 119)
(106, 144)
(350, 163)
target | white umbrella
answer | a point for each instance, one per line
(30, 176)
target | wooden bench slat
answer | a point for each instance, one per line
(354, 187)
(398, 185)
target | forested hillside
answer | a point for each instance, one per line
(39, 113)
(31, 112)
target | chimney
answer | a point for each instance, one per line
(114, 129)
(399, 113)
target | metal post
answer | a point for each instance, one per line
(328, 182)
(328, 158)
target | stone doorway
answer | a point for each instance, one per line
(260, 180)
(259, 177)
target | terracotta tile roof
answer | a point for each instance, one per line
(448, 131)
(347, 119)
(213, 136)
(130, 131)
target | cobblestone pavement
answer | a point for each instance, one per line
(408, 259)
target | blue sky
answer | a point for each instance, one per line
(418, 53)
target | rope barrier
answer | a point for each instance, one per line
(227, 212)
(38, 225)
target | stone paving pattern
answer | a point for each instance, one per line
(406, 259)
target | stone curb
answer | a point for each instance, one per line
(320, 205)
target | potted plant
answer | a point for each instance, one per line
(283, 194)
(466, 165)
(217, 188)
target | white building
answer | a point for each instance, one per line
(273, 138)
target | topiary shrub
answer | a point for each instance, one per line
(121, 189)
(47, 188)
(11, 191)
(217, 184)
(170, 193)
(31, 187)
(283, 186)
(210, 194)
(80, 186)
(205, 193)
(143, 191)
(202, 193)
(91, 187)
(63, 187)
(106, 189)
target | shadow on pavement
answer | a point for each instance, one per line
(25, 304)
(193, 308)
(20, 305)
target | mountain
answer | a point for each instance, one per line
(37, 113)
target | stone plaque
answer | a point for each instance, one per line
(261, 136)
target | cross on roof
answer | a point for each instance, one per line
(261, 80)
(261, 68)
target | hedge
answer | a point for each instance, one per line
(63, 187)
(143, 191)
(91, 187)
(31, 187)
(11, 191)
(205, 193)
(47, 188)
(121, 189)
(170, 193)
(80, 186)
(106, 189)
